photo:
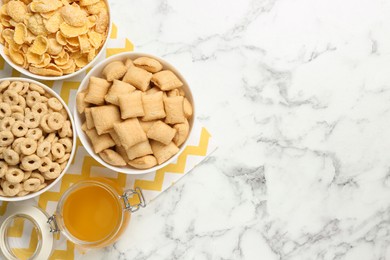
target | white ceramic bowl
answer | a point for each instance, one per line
(54, 94)
(79, 119)
(40, 77)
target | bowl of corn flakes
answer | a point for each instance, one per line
(53, 39)
(37, 138)
(134, 113)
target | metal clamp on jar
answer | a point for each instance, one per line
(91, 214)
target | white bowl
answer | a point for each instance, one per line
(40, 77)
(79, 119)
(54, 94)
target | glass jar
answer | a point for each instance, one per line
(91, 213)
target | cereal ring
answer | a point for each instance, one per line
(44, 99)
(31, 162)
(27, 175)
(45, 127)
(43, 149)
(2, 149)
(11, 189)
(57, 150)
(17, 109)
(14, 175)
(35, 87)
(5, 110)
(55, 104)
(65, 158)
(42, 186)
(41, 108)
(16, 86)
(28, 146)
(34, 134)
(65, 130)
(53, 172)
(38, 176)
(4, 85)
(24, 89)
(64, 113)
(32, 119)
(22, 102)
(19, 129)
(22, 193)
(31, 184)
(11, 157)
(18, 116)
(55, 121)
(6, 123)
(51, 137)
(41, 139)
(67, 142)
(33, 98)
(6, 138)
(11, 97)
(45, 165)
(16, 144)
(3, 168)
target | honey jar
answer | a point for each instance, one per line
(91, 213)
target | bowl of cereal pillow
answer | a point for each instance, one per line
(53, 39)
(134, 113)
(37, 138)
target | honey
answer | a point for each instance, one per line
(91, 213)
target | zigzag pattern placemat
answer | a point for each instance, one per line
(84, 166)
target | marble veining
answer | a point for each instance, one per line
(297, 94)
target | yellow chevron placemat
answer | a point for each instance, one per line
(23, 238)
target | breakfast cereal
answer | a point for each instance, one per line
(35, 138)
(52, 37)
(135, 113)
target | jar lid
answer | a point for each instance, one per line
(40, 222)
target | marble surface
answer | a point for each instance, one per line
(297, 93)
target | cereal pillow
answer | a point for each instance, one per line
(104, 118)
(138, 77)
(97, 90)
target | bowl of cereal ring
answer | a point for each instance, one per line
(134, 113)
(53, 39)
(37, 138)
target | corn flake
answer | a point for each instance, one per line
(60, 38)
(81, 61)
(35, 25)
(102, 22)
(16, 56)
(72, 31)
(73, 15)
(40, 45)
(62, 60)
(91, 54)
(84, 43)
(17, 10)
(20, 34)
(44, 6)
(54, 47)
(46, 60)
(52, 25)
(97, 8)
(73, 41)
(95, 39)
(50, 70)
(87, 2)
(34, 58)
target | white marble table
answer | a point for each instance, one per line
(297, 93)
